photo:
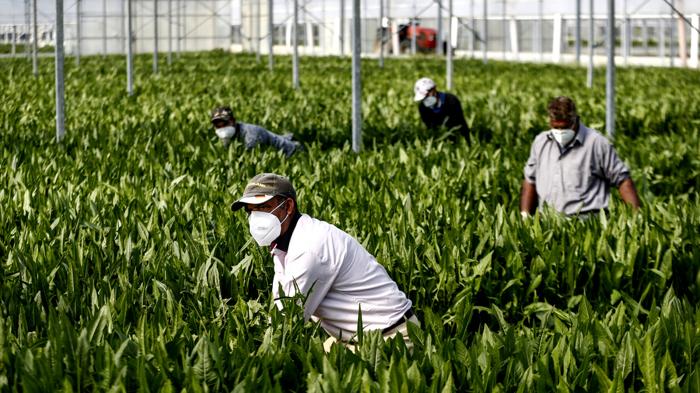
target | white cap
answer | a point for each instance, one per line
(422, 87)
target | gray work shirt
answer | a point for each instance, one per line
(253, 135)
(575, 179)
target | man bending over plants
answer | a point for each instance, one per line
(572, 167)
(227, 129)
(337, 276)
(439, 109)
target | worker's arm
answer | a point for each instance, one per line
(629, 193)
(528, 198)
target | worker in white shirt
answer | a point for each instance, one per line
(330, 268)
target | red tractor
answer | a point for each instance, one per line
(426, 38)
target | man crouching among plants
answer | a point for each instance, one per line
(572, 167)
(227, 129)
(330, 268)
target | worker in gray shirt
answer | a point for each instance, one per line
(572, 167)
(227, 129)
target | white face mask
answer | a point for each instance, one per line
(226, 132)
(265, 227)
(429, 101)
(563, 137)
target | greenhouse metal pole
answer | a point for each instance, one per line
(610, 72)
(682, 50)
(486, 32)
(155, 36)
(258, 21)
(671, 48)
(295, 44)
(413, 29)
(473, 25)
(625, 33)
(578, 31)
(77, 27)
(591, 37)
(449, 46)
(270, 30)
(129, 52)
(104, 28)
(14, 40)
(60, 93)
(342, 27)
(540, 30)
(170, 32)
(356, 81)
(505, 29)
(438, 36)
(27, 24)
(381, 33)
(177, 25)
(35, 40)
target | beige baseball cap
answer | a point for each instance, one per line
(422, 87)
(264, 187)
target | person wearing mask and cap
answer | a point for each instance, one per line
(572, 167)
(227, 129)
(439, 109)
(336, 275)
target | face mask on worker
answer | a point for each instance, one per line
(265, 227)
(430, 101)
(226, 132)
(563, 137)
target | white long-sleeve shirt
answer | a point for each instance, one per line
(338, 277)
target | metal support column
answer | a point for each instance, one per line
(472, 41)
(671, 45)
(295, 44)
(170, 32)
(129, 51)
(35, 40)
(540, 30)
(342, 27)
(438, 37)
(486, 32)
(14, 40)
(356, 80)
(104, 28)
(449, 46)
(381, 33)
(78, 17)
(591, 38)
(694, 41)
(505, 29)
(578, 31)
(155, 36)
(60, 93)
(610, 73)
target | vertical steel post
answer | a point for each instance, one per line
(626, 33)
(591, 37)
(258, 20)
(505, 29)
(170, 32)
(610, 73)
(486, 32)
(155, 36)
(438, 37)
(671, 46)
(270, 35)
(473, 28)
(449, 46)
(178, 21)
(413, 29)
(356, 80)
(578, 31)
(342, 27)
(27, 27)
(35, 40)
(540, 30)
(104, 28)
(381, 33)
(295, 44)
(129, 51)
(14, 39)
(78, 17)
(60, 93)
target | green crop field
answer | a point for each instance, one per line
(122, 267)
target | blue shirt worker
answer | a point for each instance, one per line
(438, 109)
(572, 167)
(228, 129)
(330, 268)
